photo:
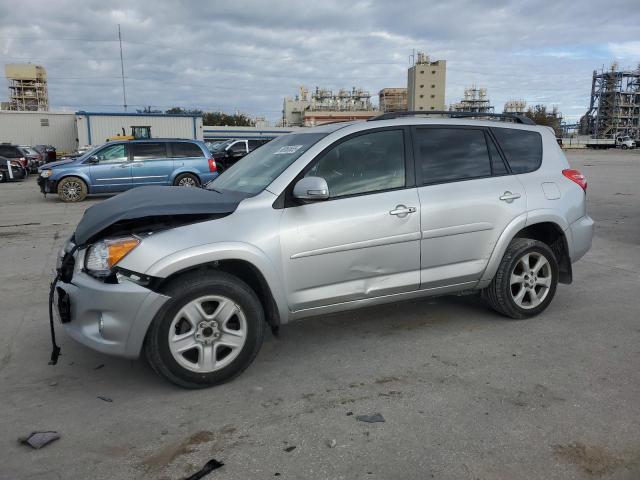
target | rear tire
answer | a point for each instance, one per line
(2, 177)
(209, 331)
(187, 180)
(526, 280)
(72, 189)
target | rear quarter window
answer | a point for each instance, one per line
(185, 150)
(522, 148)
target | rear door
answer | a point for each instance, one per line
(151, 163)
(112, 173)
(467, 198)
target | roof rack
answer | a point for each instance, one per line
(498, 116)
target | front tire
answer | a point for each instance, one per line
(526, 280)
(209, 331)
(72, 189)
(187, 180)
(624, 147)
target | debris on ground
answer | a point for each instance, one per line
(209, 467)
(373, 418)
(349, 414)
(53, 384)
(331, 443)
(38, 440)
(99, 366)
(105, 399)
(290, 449)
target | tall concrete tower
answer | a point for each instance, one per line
(426, 84)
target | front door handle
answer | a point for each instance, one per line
(509, 197)
(402, 211)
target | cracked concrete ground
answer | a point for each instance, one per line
(466, 394)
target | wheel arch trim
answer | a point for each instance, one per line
(522, 221)
(202, 255)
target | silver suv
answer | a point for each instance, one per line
(332, 218)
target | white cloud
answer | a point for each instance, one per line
(249, 55)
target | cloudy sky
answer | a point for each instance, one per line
(248, 55)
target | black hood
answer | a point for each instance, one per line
(152, 205)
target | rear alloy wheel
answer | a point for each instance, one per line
(208, 332)
(72, 189)
(187, 180)
(2, 177)
(526, 280)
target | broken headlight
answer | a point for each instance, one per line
(102, 256)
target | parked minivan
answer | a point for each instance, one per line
(121, 165)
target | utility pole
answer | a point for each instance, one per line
(124, 90)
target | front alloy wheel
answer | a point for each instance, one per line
(209, 330)
(208, 333)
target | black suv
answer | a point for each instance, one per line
(29, 160)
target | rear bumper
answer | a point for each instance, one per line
(581, 237)
(18, 173)
(124, 310)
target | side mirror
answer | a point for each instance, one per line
(93, 159)
(311, 189)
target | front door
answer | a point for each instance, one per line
(151, 163)
(364, 241)
(112, 173)
(467, 199)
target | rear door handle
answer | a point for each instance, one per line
(402, 211)
(509, 197)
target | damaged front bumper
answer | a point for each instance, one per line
(46, 185)
(111, 318)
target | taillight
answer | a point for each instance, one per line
(576, 176)
(23, 161)
(212, 165)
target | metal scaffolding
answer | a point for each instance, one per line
(475, 100)
(27, 87)
(614, 109)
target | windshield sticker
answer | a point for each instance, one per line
(288, 149)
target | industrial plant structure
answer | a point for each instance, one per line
(515, 106)
(475, 100)
(325, 106)
(27, 87)
(392, 99)
(614, 109)
(426, 84)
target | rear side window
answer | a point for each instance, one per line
(239, 147)
(450, 154)
(522, 148)
(148, 150)
(9, 152)
(185, 149)
(497, 164)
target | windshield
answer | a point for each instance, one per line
(219, 146)
(258, 169)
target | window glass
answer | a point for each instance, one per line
(238, 148)
(497, 164)
(113, 154)
(362, 164)
(522, 148)
(148, 150)
(448, 154)
(185, 149)
(254, 172)
(9, 152)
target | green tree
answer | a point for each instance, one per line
(183, 111)
(223, 119)
(540, 115)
